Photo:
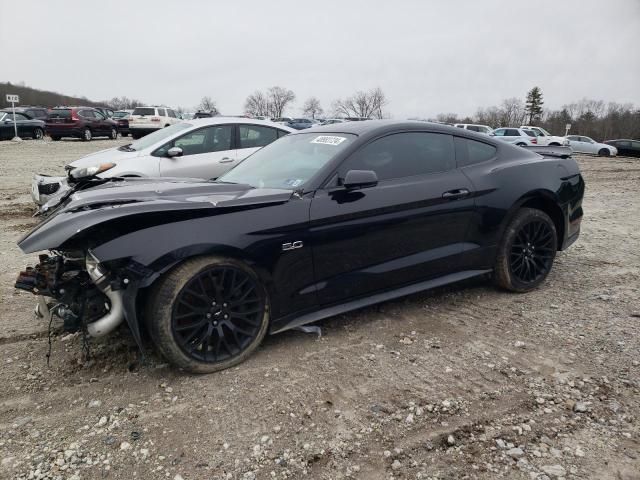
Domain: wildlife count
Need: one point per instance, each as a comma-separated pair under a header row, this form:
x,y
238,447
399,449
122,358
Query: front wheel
x,y
113,134
527,251
208,314
38,134
86,135
604,152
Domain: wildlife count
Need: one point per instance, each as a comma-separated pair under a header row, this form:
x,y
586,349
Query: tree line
x,y
592,118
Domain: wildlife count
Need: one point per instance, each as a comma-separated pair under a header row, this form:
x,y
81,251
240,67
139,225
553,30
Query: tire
x,y
221,306
113,135
526,252
86,135
604,152
135,136
55,138
37,134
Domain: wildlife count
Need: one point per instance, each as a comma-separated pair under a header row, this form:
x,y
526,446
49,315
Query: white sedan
x,y
202,148
582,144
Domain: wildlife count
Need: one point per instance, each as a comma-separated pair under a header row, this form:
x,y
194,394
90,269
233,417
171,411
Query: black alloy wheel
x,y
532,251
526,251
208,314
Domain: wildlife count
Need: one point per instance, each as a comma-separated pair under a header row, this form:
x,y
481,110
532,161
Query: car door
x,y
103,126
409,227
207,152
253,137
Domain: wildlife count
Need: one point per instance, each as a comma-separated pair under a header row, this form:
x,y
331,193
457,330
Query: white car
x,y
545,138
144,120
582,144
517,136
200,148
475,128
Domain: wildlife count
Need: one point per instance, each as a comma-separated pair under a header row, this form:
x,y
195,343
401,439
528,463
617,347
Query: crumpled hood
x,y
139,196
103,156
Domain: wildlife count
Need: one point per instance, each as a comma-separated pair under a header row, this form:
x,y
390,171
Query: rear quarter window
x,y
470,152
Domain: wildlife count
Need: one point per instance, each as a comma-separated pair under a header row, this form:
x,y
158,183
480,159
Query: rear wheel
x,y
208,314
604,152
114,134
527,251
38,133
86,135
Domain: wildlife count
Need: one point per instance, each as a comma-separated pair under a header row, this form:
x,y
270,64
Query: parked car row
x,y
316,223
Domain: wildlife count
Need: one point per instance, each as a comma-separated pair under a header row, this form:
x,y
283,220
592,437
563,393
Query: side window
x,y
511,132
99,115
252,136
282,133
403,155
172,114
87,114
499,132
162,112
204,140
469,152
473,128
19,116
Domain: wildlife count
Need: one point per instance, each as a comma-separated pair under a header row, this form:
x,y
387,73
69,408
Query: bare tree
x,y
512,112
208,105
257,104
279,98
362,104
312,107
123,103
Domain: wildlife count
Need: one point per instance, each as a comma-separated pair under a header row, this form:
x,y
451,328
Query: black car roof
x,y
374,127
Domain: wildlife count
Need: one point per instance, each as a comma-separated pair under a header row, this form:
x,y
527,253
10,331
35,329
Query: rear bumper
x,y
143,130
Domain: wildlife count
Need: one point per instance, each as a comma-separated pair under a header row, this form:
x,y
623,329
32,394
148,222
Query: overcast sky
x,y
429,57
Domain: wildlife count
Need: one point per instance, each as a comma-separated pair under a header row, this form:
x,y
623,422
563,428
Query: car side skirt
x,y
297,320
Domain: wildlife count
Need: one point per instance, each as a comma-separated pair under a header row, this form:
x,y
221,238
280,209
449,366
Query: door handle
x,y
226,160
453,194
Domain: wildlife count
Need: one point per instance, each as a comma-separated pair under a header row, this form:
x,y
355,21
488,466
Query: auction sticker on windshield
x,y
329,140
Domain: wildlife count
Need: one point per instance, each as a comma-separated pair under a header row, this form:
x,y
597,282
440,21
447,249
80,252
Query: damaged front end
x,y
79,290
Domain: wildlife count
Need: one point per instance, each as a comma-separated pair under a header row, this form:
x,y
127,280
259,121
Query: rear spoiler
x,y
550,151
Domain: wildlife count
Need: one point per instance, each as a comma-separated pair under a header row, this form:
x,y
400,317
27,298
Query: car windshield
x,y
544,132
159,135
289,162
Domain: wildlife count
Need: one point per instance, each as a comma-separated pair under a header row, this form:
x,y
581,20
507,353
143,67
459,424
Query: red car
x,y
79,122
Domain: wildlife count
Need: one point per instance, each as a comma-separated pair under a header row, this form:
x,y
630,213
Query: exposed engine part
x,y
81,292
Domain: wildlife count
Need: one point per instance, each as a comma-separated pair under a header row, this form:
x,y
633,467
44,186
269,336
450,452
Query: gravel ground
x,y
462,382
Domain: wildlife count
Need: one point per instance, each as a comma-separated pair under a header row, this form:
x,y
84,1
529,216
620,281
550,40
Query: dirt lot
x,y
463,382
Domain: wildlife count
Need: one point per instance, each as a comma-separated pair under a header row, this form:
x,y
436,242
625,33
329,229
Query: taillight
x,y
74,117
534,141
155,119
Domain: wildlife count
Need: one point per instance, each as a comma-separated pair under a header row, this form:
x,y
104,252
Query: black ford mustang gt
x,y
318,223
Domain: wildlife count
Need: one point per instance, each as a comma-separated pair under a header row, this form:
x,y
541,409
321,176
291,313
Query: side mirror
x,y
174,152
360,179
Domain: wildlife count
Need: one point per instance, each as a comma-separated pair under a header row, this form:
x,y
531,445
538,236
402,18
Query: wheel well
x,y
554,144
552,209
